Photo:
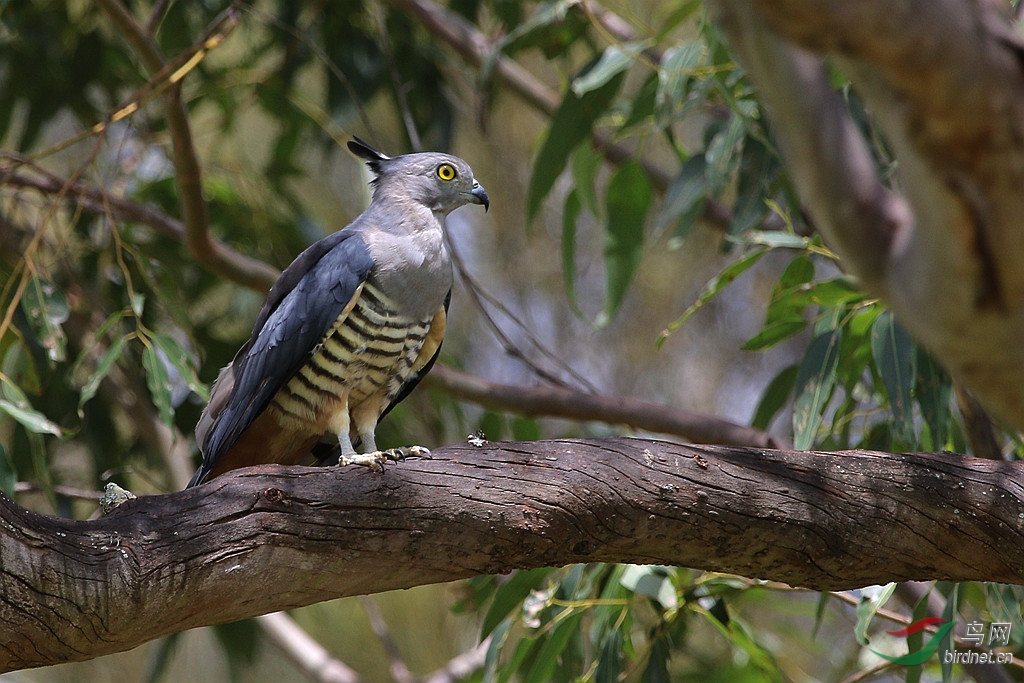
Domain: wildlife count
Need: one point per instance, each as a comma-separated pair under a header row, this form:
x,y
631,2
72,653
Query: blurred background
x,y
642,242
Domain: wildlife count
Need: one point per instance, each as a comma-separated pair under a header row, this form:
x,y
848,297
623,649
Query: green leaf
x,y
814,383
721,152
684,199
182,362
8,475
524,648
674,75
586,161
613,61
866,609
16,405
609,663
656,670
933,388
47,309
916,640
510,595
500,635
773,333
554,644
570,125
106,362
893,352
774,397
570,214
627,200
652,581
159,383
949,613
715,285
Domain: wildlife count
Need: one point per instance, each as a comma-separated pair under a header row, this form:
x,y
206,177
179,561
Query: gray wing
x,y
302,306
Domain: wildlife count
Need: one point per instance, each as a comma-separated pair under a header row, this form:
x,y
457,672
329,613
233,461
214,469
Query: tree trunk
x,y
943,81
272,538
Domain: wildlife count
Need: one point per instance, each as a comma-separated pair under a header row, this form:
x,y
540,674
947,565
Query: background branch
x,y
295,535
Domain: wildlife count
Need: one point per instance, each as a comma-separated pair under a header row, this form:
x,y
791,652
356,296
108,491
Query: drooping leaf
x,y
510,595
674,75
933,389
47,310
586,161
15,404
814,383
866,609
554,643
773,333
609,663
570,214
103,367
159,383
570,125
775,396
715,285
893,352
652,581
627,200
183,362
656,670
613,61
684,199
8,475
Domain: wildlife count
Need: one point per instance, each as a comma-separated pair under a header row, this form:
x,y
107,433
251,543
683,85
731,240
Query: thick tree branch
x,y
293,536
944,82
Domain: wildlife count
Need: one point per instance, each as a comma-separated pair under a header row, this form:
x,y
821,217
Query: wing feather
x,y
300,309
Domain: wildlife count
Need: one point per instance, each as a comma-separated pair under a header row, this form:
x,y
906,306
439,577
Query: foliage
x,y
101,318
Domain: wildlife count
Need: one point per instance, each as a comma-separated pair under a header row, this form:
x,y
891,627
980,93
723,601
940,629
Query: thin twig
x,y
60,490
399,671
478,294
306,653
462,666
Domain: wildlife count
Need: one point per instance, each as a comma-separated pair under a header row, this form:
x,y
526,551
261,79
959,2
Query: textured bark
x,y
272,538
944,82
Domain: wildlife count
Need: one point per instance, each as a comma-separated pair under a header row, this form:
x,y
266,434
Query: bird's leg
x,y
349,456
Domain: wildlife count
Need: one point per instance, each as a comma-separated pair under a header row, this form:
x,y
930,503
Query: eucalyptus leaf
x,y
571,124
814,383
893,352
628,198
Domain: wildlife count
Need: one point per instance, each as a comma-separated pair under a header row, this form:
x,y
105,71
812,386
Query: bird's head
x,y
441,182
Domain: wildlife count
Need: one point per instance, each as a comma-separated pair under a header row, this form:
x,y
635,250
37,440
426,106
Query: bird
x,y
347,330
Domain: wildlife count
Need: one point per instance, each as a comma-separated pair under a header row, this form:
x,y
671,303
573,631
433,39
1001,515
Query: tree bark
x,y
272,538
943,81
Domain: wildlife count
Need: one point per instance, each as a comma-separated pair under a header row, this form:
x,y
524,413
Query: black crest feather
x,y
371,156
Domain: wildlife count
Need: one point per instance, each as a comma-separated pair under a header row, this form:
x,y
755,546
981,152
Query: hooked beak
x,y
478,195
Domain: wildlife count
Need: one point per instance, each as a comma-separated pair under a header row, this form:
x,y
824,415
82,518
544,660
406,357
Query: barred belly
x,y
370,353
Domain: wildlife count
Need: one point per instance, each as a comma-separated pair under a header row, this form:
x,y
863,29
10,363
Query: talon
x,y
375,460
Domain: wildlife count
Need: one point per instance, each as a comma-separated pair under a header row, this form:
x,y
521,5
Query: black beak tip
x,y
479,195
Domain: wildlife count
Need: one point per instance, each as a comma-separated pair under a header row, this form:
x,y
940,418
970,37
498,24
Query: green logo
x,y
928,649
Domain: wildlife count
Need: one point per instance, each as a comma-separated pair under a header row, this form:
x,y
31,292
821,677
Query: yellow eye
x,y
446,172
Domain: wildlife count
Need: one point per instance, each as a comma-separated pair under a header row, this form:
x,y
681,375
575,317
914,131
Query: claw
x,y
375,461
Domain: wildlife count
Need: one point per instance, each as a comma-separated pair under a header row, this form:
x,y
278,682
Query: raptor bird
x,y
348,329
